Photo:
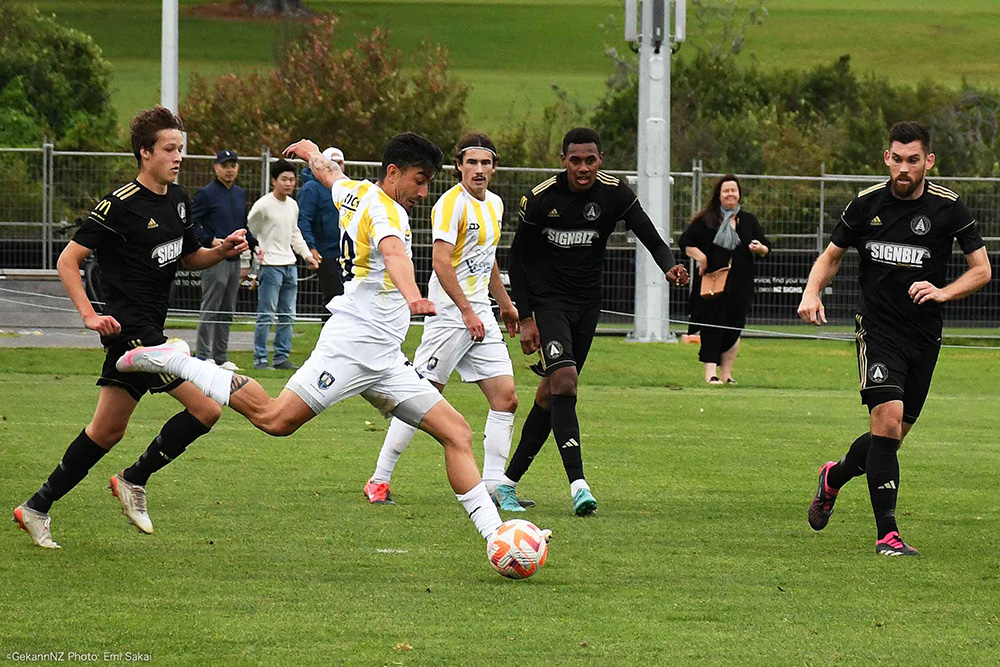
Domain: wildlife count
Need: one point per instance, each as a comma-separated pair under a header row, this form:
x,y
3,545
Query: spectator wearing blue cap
x,y
218,210
319,223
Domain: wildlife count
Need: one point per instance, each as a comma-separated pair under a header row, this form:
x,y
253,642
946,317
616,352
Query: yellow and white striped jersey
x,y
473,226
367,216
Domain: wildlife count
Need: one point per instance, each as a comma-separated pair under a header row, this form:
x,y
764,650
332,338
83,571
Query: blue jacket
x,y
218,211
319,221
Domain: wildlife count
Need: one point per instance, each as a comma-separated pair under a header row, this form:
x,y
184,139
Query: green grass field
x,y
266,553
513,51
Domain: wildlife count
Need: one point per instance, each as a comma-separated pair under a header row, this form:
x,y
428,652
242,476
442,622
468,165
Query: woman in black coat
x,y
722,235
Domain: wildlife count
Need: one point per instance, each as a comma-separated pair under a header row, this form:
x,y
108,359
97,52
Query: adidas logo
x,y
888,486
152,224
876,222
570,443
553,213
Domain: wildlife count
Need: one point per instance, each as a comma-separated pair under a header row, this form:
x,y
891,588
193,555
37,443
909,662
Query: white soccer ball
x,y
517,549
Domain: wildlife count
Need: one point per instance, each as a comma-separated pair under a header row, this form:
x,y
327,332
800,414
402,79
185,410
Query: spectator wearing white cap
x,y
319,223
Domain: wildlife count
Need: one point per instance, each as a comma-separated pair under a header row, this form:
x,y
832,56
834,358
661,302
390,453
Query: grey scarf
x,y
727,237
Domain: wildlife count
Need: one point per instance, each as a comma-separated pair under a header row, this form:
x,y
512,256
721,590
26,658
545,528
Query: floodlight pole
x,y
168,55
652,293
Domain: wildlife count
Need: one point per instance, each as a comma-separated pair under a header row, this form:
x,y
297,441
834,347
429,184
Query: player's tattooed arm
x,y
237,383
324,169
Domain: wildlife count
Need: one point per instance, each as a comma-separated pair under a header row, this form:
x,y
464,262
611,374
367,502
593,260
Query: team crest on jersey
x,y
920,225
591,211
182,211
878,373
325,380
432,363
553,349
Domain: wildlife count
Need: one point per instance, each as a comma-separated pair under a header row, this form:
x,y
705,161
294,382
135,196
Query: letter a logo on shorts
x,y
553,349
325,380
878,373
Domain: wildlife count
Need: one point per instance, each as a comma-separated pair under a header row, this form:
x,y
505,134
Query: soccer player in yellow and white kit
x,y
358,351
464,335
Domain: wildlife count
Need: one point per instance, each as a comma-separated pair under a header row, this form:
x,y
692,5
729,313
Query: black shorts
x,y
136,384
566,336
894,369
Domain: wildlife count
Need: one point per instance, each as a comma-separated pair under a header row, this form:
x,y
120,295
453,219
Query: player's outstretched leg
x,y
397,439
275,416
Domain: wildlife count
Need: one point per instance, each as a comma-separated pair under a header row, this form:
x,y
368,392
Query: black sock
x,y
853,464
180,431
80,457
534,433
566,430
883,482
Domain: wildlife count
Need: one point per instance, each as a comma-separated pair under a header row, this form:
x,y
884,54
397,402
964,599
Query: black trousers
x,y
729,313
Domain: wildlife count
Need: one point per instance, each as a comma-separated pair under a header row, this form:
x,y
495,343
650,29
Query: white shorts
x,y
353,357
446,347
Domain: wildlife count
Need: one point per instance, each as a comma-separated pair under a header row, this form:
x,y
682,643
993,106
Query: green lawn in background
x,y
513,51
266,553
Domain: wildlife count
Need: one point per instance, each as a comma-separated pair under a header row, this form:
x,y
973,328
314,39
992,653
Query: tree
x,y
53,81
356,99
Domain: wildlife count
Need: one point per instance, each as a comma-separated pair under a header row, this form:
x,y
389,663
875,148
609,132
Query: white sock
x,y
479,505
497,436
507,481
214,381
396,440
578,484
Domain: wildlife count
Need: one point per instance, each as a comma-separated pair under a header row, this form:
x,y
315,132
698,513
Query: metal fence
x,y
43,191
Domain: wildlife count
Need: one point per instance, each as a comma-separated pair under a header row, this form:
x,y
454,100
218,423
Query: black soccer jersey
x,y
900,242
138,237
557,257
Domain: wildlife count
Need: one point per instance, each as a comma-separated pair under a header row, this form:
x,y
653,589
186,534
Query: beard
x,y
903,189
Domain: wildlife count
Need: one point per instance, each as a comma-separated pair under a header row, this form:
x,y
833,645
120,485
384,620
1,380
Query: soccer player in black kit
x,y
903,230
139,233
556,274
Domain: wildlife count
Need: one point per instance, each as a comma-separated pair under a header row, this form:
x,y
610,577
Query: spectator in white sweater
x,y
273,220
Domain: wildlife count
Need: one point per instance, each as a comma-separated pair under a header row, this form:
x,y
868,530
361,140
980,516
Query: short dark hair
x,y
146,126
581,135
411,150
281,166
479,140
906,131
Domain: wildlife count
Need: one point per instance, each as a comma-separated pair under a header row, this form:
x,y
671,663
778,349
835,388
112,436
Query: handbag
x,y
713,284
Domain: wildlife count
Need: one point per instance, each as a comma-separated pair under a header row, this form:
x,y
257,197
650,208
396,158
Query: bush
x,y
356,99
53,81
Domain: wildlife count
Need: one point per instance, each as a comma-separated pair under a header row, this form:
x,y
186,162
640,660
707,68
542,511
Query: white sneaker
x,y
35,524
230,366
133,500
152,359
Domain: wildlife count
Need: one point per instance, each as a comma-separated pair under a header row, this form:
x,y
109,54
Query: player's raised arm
x,y
326,171
811,307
